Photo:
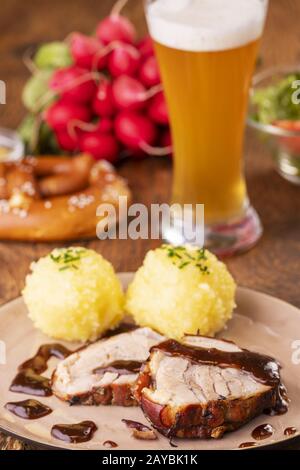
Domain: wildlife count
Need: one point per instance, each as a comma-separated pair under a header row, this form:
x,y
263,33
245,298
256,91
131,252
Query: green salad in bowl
x,y
275,113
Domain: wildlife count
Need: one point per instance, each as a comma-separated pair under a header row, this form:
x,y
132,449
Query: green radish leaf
x,y
37,136
26,128
35,90
53,55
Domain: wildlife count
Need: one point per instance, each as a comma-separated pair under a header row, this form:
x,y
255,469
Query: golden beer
x,y
207,95
207,51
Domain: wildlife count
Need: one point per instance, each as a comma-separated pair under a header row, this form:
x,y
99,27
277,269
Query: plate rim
x,y
46,446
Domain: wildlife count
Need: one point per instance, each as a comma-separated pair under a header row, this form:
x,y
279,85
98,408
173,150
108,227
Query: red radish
x,y
100,146
116,28
103,104
124,59
103,126
149,72
158,110
134,130
66,141
60,114
73,83
106,125
129,94
146,48
85,49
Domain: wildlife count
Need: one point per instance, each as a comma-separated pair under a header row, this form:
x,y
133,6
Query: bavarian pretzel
x,y
55,198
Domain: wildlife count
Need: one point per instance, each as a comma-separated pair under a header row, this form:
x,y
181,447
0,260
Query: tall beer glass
x,y
207,51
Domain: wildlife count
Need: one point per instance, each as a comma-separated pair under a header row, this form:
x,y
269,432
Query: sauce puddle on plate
x,y
74,433
110,444
244,445
290,431
39,362
29,379
264,431
28,409
30,383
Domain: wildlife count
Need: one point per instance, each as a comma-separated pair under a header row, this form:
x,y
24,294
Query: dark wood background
x,y
273,266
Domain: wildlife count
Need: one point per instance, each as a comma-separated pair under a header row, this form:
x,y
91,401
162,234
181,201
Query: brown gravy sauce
x,y
39,363
265,368
120,367
110,444
290,431
29,379
244,445
28,409
140,431
30,383
136,425
264,431
74,433
124,327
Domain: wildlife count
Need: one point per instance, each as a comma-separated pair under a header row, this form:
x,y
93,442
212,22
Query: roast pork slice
x,y
104,372
205,387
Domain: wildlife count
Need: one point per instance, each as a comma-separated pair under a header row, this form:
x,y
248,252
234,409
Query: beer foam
x,y
206,25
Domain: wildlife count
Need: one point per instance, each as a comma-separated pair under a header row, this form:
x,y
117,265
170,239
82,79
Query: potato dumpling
x,y
182,290
73,294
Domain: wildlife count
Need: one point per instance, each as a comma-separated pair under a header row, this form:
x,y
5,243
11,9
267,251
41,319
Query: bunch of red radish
x,y
111,100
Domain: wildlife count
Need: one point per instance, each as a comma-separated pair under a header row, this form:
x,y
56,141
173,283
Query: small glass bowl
x,y
284,144
11,146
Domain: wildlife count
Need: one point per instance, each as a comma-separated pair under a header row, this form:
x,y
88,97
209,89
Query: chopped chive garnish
x,y
67,258
183,265
64,268
181,257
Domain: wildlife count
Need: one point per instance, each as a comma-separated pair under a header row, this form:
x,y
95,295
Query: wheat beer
x,y
207,51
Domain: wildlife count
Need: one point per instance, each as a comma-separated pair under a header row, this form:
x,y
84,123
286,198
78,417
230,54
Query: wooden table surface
x,y
272,266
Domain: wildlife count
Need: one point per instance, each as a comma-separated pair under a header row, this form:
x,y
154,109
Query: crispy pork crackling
x,y
206,387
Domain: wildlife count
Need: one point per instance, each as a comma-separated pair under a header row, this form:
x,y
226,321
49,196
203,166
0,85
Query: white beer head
x,y
206,25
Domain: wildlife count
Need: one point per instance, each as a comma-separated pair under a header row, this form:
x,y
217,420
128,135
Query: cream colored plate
x,y
261,323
